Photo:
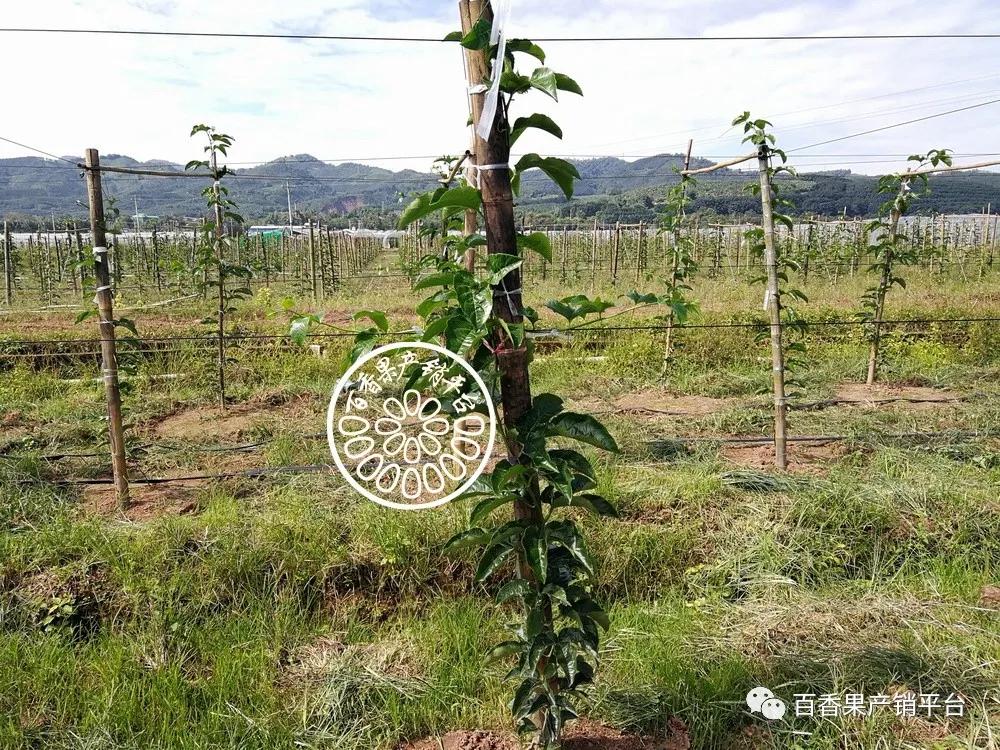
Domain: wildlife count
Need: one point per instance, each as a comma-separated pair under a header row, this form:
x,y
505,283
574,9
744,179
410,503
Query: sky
x,y
364,101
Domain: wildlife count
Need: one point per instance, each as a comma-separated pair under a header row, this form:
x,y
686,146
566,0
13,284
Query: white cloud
x,y
352,99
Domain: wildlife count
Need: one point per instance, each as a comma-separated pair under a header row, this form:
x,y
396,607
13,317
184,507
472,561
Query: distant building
x,y
275,230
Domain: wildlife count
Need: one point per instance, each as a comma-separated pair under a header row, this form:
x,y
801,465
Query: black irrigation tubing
x,y
322,468
764,324
764,440
210,338
162,446
535,332
248,473
207,340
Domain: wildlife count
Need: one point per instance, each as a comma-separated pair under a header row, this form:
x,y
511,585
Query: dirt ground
x,y
802,458
581,735
657,402
915,397
148,501
207,421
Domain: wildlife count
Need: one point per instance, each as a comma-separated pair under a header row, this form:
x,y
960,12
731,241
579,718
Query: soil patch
x,y
802,458
882,394
990,596
583,734
658,403
208,421
148,501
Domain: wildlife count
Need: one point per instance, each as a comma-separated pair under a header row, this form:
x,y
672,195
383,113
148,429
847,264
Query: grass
x,y
287,612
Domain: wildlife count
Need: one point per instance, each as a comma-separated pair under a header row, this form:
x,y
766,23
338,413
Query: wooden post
x,y
809,247
639,254
501,237
593,258
614,253
334,278
8,266
773,305
675,266
475,70
562,255
312,262
221,297
109,354
883,288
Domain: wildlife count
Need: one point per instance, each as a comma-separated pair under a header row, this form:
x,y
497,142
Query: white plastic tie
x,y
102,288
498,36
490,167
508,293
98,251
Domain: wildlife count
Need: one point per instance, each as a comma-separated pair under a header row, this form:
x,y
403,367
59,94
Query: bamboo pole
x,y
221,297
593,258
312,262
675,266
106,325
8,266
475,70
773,306
883,288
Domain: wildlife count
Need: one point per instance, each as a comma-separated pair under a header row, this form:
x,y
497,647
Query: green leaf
x,y
518,587
565,83
584,428
487,506
478,37
493,558
375,316
504,649
88,313
560,171
540,121
500,264
578,306
536,549
463,335
526,46
566,534
537,241
513,83
590,608
364,342
544,79
453,36
464,196
299,330
593,503
435,279
544,407
521,703
468,538
643,299
128,325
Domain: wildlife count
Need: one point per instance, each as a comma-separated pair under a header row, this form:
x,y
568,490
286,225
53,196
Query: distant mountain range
x,y
611,189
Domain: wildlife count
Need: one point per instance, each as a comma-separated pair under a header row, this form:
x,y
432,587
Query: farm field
x,y
256,601
457,445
